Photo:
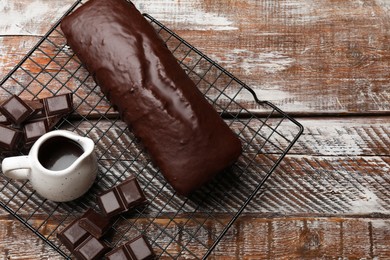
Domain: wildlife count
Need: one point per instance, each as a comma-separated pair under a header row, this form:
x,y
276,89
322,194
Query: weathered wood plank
x,y
288,52
30,18
304,60
344,136
12,50
251,238
327,185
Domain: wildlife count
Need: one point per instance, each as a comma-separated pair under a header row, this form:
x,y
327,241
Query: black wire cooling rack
x,y
177,227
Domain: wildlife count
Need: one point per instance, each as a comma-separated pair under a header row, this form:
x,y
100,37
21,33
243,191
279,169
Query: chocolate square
x,y
73,235
4,120
16,110
121,198
90,249
9,138
95,223
119,253
35,129
59,104
136,249
110,203
131,193
140,248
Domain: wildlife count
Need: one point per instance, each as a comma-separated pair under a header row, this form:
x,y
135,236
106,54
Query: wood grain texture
x,y
291,54
253,238
329,198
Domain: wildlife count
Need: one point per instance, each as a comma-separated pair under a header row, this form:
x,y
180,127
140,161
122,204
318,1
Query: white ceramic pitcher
x,y
61,165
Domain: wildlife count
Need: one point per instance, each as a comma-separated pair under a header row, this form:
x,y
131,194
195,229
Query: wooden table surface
x,y
327,63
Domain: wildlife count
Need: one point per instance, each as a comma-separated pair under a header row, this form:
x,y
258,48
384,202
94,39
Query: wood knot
x,y
309,241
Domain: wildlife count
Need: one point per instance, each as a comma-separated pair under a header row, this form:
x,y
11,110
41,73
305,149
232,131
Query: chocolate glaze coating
x,y
184,135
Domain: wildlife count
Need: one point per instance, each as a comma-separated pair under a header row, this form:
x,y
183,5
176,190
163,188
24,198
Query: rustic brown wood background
x,y
324,61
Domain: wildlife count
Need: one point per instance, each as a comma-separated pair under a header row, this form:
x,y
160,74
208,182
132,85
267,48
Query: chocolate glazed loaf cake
x,y
182,132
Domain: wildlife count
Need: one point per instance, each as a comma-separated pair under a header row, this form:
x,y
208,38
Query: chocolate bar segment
x,y
136,249
95,223
9,138
184,135
16,110
4,120
110,203
120,253
121,197
33,130
58,105
72,235
91,249
131,193
140,248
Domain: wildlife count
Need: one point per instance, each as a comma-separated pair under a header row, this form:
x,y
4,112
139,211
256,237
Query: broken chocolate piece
x,y
58,105
9,138
121,198
32,131
73,235
110,203
16,110
136,249
36,106
91,249
95,223
131,193
4,120
120,253
140,248
52,121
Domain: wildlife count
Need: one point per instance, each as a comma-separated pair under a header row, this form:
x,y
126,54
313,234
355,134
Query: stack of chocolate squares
x,y
22,122
85,236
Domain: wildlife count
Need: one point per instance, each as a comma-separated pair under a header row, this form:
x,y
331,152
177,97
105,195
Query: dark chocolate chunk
x,y
36,106
90,249
33,130
58,105
52,121
182,132
121,198
9,138
140,248
136,249
73,235
16,110
4,120
120,253
110,203
131,193
95,223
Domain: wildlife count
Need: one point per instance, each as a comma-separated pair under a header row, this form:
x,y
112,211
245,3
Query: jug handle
x,y
16,167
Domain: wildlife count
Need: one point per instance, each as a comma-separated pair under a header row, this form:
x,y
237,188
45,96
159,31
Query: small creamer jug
x,y
61,165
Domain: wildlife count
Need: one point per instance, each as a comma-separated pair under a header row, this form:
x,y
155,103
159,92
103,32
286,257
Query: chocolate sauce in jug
x,y
58,153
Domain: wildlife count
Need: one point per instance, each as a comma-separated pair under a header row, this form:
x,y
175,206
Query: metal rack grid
x,y
175,226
